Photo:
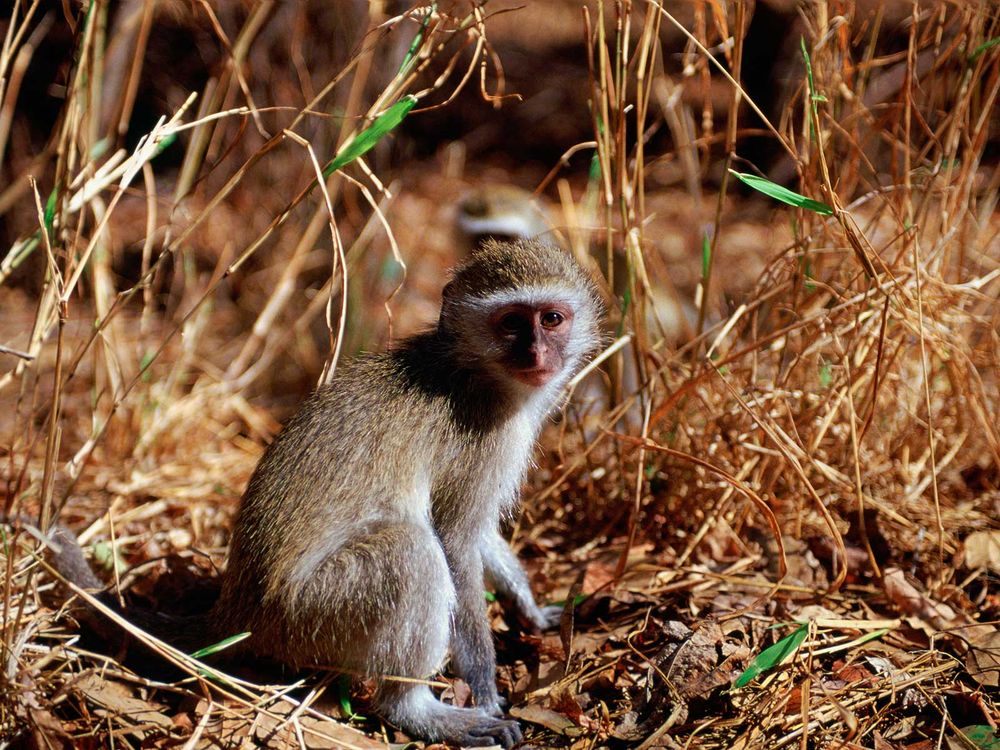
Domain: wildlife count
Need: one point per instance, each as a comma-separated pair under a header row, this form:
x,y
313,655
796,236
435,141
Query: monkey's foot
x,y
536,619
485,730
421,715
551,616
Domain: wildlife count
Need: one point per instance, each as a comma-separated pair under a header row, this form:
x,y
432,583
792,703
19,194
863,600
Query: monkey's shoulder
x,y
375,382
370,398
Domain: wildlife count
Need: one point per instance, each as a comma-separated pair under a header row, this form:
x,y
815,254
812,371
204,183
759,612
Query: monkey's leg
x,y
511,582
384,602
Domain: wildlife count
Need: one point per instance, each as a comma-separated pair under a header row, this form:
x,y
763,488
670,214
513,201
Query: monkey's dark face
x,y
532,339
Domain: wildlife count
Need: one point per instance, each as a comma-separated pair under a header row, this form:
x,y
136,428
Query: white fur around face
x,y
527,295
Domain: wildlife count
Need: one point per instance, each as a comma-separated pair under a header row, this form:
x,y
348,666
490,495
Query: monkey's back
x,y
358,453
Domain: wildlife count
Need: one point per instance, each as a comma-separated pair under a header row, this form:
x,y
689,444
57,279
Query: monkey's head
x,y
525,313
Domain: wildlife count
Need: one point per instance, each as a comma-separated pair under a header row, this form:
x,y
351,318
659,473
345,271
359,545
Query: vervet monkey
x,y
365,533
501,212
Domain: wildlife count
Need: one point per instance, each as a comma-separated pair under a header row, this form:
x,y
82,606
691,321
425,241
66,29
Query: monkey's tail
x,y
186,632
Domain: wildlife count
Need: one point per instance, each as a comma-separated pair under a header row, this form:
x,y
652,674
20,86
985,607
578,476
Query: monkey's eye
x,y
512,323
551,319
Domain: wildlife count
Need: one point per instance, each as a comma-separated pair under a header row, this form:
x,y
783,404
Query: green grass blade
x,y
367,138
418,39
809,67
49,217
825,373
782,194
216,647
577,601
983,47
706,255
772,656
344,698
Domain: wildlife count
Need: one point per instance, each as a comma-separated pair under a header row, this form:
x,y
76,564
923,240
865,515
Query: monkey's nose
x,y
538,352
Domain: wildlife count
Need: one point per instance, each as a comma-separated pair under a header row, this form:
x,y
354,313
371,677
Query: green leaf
x,y
211,674
490,596
100,148
415,45
782,194
594,171
809,67
344,696
626,304
166,142
983,47
825,374
982,735
108,557
216,647
365,140
706,255
50,210
772,656
22,249
577,601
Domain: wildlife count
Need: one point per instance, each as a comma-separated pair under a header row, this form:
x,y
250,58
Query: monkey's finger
x,y
503,732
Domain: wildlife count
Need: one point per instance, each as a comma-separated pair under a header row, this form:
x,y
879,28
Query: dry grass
x,y
823,449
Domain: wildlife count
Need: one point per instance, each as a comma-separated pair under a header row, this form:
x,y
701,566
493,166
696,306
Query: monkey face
x,y
532,339
522,314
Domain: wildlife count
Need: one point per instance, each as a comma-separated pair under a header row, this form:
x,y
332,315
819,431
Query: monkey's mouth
x,y
533,376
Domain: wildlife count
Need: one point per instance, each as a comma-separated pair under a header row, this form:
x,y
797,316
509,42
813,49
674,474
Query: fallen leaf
x,y
982,550
546,717
983,659
911,696
121,702
905,596
319,733
694,670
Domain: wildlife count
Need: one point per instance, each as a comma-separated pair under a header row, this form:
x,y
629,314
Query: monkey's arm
x,y
472,653
507,575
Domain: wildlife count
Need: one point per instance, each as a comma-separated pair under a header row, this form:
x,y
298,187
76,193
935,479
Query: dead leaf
x,y
912,698
121,702
905,596
982,550
458,693
546,717
597,575
693,671
881,743
319,733
48,724
983,659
